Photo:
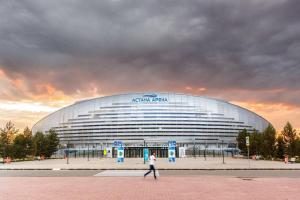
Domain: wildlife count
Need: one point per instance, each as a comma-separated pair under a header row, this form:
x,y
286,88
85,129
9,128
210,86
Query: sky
x,y
53,53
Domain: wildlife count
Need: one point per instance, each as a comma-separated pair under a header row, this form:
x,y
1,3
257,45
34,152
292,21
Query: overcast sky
x,y
53,53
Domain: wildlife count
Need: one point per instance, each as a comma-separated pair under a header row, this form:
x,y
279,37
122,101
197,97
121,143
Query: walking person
x,y
151,165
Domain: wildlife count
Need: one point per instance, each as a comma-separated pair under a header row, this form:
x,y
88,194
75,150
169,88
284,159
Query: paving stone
x,y
137,188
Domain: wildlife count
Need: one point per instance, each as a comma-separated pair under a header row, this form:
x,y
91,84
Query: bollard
x,y
286,159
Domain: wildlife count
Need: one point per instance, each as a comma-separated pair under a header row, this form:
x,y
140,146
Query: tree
x,y
27,132
280,147
289,137
268,149
297,144
45,145
29,146
241,140
10,132
7,135
255,143
19,147
52,143
40,144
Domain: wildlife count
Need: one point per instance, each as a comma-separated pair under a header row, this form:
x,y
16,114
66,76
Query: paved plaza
x,y
139,173
162,163
131,188
187,178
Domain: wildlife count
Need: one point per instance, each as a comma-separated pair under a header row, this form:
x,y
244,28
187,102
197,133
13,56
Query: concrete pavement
x,y
130,184
131,188
130,173
162,163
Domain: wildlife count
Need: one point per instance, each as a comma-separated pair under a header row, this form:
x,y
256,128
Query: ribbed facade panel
x,y
152,117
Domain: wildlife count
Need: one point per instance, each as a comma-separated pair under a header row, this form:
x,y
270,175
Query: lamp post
x,y
194,149
144,151
88,152
205,150
223,151
248,144
67,152
68,145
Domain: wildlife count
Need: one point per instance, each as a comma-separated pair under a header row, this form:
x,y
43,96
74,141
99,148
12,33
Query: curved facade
x,y
155,118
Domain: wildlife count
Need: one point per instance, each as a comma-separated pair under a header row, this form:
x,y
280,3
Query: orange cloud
x,y
49,95
50,89
278,114
270,107
26,95
195,90
2,73
202,89
17,83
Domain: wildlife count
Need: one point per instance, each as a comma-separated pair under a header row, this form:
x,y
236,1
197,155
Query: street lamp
x,y
88,152
205,153
194,148
223,151
67,152
205,149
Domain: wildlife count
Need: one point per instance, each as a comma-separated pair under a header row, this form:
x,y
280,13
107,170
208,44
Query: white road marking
x,y
124,173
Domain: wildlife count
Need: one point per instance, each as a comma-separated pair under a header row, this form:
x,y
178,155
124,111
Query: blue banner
x,y
146,155
120,154
172,151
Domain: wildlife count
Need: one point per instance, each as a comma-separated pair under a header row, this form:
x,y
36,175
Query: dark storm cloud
x,y
152,45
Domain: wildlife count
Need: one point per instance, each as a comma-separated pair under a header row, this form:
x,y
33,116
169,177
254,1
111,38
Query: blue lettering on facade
x,y
151,98
150,95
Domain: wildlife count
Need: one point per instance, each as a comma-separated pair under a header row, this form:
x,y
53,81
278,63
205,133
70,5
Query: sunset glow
x,y
247,55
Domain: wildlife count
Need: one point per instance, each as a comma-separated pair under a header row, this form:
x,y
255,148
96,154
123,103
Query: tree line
x,y
270,145
267,144
25,145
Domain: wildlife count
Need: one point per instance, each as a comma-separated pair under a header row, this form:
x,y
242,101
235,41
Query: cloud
x,y
277,114
235,50
28,107
20,118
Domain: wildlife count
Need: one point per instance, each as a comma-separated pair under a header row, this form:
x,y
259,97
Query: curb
x,y
183,169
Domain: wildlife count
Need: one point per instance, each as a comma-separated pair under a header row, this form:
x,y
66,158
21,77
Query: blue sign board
x,y
146,155
172,151
118,143
120,150
120,154
172,143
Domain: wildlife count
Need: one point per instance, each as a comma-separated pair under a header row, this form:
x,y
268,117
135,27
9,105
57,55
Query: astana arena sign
x,y
150,98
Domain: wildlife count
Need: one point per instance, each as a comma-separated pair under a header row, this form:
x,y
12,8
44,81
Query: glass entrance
x,y
137,152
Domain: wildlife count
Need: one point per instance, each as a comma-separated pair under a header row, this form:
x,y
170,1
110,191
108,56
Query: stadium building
x,y
151,119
